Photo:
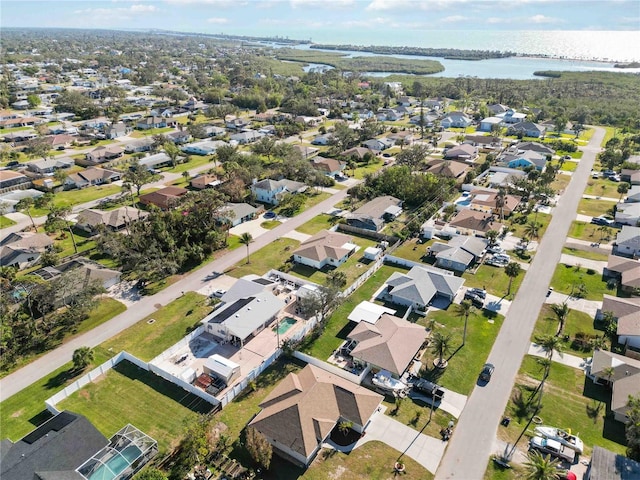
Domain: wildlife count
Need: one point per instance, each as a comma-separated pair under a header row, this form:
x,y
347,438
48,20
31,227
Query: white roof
x,y
368,312
372,250
221,366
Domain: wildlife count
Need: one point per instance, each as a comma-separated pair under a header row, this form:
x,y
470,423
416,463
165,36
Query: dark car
x,y
428,388
487,371
478,292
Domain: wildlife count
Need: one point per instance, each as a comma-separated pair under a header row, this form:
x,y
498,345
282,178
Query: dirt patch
x,y
84,394
337,473
99,379
17,413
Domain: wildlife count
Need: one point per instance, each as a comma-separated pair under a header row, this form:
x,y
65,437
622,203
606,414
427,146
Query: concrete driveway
x,y
572,260
425,450
589,307
253,227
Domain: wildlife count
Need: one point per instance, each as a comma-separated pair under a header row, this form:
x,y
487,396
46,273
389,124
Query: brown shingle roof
x,y
303,408
474,220
164,198
323,245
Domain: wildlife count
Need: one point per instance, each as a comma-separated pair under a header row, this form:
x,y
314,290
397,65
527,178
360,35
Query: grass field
x,y
602,187
124,395
412,250
602,257
591,232
271,256
577,321
567,166
594,207
464,364
517,223
560,183
415,414
6,222
566,279
196,161
570,400
70,198
270,224
22,412
320,222
363,171
493,280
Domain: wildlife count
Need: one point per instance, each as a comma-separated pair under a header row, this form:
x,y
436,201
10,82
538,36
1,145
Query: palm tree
x,y
464,309
82,357
345,426
550,344
492,236
246,239
623,188
561,310
512,270
609,372
500,202
532,229
541,467
441,346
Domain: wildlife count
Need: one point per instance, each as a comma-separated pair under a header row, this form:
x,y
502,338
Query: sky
x,y
300,19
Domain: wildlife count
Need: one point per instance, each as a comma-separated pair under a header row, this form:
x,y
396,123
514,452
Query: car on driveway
x,y
602,220
547,446
487,371
270,214
496,249
479,292
218,293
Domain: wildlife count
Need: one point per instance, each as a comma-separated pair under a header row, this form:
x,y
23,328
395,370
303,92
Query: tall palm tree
x,y
532,229
512,270
609,372
82,357
500,202
245,239
550,344
623,188
492,236
561,310
441,346
464,309
541,467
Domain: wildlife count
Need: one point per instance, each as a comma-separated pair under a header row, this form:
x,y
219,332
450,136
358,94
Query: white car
x,y
218,293
496,249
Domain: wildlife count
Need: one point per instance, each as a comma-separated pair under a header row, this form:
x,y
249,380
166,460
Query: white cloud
x,y
542,19
215,3
118,13
364,23
328,4
496,20
218,20
634,21
454,19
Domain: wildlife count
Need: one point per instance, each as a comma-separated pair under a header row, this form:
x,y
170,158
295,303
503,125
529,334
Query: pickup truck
x,y
428,388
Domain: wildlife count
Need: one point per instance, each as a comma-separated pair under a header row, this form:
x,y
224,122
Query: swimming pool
x,y
285,324
116,464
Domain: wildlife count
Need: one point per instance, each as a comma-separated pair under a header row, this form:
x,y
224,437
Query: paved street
x,y
37,369
471,446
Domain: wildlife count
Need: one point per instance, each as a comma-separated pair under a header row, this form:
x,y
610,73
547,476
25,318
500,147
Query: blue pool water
x,y
285,324
116,464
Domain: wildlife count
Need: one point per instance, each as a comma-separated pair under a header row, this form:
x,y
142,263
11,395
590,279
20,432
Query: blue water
x,y
116,464
285,324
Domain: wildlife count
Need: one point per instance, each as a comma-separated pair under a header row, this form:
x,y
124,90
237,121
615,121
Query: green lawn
x,y
315,198
608,135
517,223
412,250
464,364
493,280
126,393
270,224
150,132
566,279
22,412
64,242
320,222
363,171
196,161
336,327
576,252
591,232
570,400
271,256
594,207
497,472
70,198
415,414
567,166
577,321
602,187
6,222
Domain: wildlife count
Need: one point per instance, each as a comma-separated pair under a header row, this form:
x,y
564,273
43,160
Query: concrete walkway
x,y
296,235
595,197
589,307
563,358
572,260
425,450
603,246
452,402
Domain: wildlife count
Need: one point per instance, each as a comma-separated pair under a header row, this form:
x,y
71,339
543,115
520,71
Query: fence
x,y
253,374
357,379
363,232
364,277
174,348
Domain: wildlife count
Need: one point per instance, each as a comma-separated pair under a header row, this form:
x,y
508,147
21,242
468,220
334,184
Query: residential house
x,y
158,160
238,321
607,465
246,136
179,137
271,191
459,254
165,198
21,122
23,249
625,378
205,180
523,159
373,214
490,201
421,286
324,248
536,147
329,166
102,154
511,117
497,177
322,139
464,152
389,115
628,214
527,129
406,101
306,152
402,138
369,312
59,142
475,223
117,130
268,130
497,108
91,176
429,119
358,153
9,178
10,199
49,165
213,131
456,120
449,169
378,144
139,146
236,213
118,219
632,177
487,124
204,147
628,242
626,271
303,409
155,122
633,195
626,313
390,343
237,123
84,272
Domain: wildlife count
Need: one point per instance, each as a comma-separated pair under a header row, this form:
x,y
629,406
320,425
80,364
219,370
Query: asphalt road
x,y
469,449
13,383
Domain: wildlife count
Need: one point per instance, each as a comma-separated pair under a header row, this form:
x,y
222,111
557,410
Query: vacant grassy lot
x,y
493,280
591,232
602,257
465,362
412,250
560,183
566,279
6,222
567,166
124,395
570,400
320,222
337,326
22,412
364,170
517,223
577,321
196,161
71,198
594,207
271,256
602,187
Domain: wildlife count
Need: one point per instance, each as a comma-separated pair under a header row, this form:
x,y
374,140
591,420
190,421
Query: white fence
x,y
363,278
403,262
176,347
253,374
357,379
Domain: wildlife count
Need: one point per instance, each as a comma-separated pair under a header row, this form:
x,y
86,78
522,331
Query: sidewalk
x,y
589,307
563,358
572,260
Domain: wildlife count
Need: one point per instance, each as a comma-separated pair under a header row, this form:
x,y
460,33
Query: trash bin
x,y
505,421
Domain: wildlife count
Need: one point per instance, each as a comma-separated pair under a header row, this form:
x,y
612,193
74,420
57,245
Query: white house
x,y
456,120
271,191
325,248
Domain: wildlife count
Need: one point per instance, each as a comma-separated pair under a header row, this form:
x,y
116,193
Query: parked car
x,y
602,220
487,371
496,262
218,293
428,388
552,447
496,249
480,292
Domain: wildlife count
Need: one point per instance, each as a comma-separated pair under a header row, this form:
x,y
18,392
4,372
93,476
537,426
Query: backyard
x,y
568,279
261,261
